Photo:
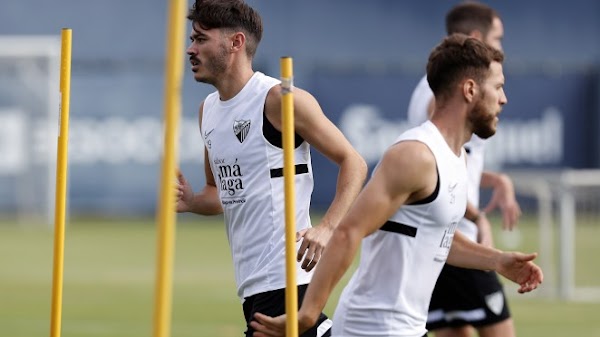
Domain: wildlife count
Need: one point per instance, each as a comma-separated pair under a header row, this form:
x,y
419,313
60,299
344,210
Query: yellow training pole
x,y
289,172
61,182
166,212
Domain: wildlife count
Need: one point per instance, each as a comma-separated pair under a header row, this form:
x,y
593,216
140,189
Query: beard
x,y
214,67
482,120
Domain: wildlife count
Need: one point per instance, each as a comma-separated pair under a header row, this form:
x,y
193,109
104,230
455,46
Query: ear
x,y
477,35
238,41
469,89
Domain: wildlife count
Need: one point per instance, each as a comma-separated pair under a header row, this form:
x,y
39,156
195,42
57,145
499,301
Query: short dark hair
x,y
469,16
229,14
459,56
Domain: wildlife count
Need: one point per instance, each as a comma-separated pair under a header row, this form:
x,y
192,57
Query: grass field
x,y
110,271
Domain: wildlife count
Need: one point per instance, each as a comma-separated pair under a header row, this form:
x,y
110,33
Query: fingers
x,y
313,244
534,281
307,264
527,287
510,216
266,326
311,254
491,206
526,257
262,331
300,235
180,176
534,278
304,246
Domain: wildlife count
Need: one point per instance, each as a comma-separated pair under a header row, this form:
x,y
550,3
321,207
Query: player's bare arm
x,y
515,266
385,192
313,126
503,197
484,228
207,201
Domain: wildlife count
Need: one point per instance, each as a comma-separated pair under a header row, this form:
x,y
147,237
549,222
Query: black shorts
x,y
467,297
272,303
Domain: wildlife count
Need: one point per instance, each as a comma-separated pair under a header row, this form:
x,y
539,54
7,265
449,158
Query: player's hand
x,y
314,241
519,268
504,198
267,326
484,231
183,194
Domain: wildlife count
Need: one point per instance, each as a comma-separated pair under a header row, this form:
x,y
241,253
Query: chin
x,y
200,79
485,133
488,135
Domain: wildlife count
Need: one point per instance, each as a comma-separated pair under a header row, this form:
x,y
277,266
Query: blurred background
x,y
361,59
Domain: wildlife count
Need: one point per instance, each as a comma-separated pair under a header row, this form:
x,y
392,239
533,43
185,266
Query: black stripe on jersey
x,y
400,228
433,195
273,136
278,172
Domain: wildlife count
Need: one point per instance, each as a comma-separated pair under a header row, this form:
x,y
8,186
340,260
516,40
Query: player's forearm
x,y
336,259
467,254
472,213
491,179
206,202
351,177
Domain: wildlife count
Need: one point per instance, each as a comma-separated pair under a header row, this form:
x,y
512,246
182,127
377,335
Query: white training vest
x,y
248,171
417,114
389,293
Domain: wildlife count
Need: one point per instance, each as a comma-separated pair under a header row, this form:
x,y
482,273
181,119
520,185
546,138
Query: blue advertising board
x,y
549,122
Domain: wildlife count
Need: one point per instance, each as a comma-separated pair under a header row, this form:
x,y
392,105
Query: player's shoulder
x,y
302,99
411,154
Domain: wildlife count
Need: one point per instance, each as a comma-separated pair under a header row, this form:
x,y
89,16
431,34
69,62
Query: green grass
x,y
109,273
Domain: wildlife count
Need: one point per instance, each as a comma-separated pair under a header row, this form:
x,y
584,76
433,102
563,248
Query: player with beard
x,y
406,216
465,298
241,127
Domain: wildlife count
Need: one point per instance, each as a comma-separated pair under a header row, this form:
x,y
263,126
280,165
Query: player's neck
x,y
450,121
233,81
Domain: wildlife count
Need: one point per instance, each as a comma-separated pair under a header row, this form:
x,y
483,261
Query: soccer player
x,y
466,298
240,124
406,216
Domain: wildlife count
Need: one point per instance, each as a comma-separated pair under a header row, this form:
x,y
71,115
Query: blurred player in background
x,y
406,216
241,127
466,298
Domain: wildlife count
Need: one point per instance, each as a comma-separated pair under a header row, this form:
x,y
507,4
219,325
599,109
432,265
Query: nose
x,y
503,98
189,50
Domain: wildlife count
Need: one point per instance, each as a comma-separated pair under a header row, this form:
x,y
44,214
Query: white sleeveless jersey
x,y
419,101
417,114
389,293
248,170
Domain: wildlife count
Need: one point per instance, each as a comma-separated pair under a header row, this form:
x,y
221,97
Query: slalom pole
x,y
165,216
289,172
61,182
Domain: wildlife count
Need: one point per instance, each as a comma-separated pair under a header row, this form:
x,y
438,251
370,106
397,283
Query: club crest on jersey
x,y
495,302
241,129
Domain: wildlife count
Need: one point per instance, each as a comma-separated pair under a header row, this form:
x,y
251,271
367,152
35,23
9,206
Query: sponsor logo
x,y
207,141
451,188
207,133
230,177
446,241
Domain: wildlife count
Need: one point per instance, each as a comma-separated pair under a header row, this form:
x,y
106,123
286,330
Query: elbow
x,y
345,236
361,167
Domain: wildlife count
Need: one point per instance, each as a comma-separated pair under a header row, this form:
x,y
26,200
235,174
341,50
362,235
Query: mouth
x,y
195,64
